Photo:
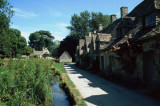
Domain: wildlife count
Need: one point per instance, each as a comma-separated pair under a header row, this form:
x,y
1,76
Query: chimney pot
x,y
113,18
124,11
90,34
100,27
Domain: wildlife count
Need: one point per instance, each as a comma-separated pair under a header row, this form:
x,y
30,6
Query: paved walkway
x,y
99,92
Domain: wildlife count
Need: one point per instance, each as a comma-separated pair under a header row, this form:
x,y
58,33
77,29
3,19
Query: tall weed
x,y
26,82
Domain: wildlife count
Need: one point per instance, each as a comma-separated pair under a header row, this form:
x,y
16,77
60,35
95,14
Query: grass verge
x,y
73,94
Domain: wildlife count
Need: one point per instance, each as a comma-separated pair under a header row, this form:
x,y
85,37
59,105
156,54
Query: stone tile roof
x,y
133,21
45,51
144,8
104,37
126,22
63,55
38,53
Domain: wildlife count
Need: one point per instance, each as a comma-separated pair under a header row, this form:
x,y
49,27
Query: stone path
x,y
99,92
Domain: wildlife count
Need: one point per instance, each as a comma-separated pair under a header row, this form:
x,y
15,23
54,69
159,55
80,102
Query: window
x,y
150,20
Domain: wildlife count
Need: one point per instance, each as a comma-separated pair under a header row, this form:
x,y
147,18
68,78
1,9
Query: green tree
x,y
6,13
17,41
98,18
12,43
55,46
5,46
80,24
40,39
87,22
27,50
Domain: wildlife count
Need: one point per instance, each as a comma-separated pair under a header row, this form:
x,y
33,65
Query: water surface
x,y
60,98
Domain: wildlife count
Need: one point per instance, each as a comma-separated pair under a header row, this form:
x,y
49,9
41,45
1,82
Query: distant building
x,y
41,53
25,57
65,57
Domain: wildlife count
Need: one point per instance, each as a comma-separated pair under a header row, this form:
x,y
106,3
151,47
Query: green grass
x,y
60,66
26,82
74,96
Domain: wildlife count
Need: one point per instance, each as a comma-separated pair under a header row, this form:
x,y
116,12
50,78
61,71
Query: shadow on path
x,y
100,92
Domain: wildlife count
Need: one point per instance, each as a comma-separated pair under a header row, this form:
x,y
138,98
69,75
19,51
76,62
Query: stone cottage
x,y
65,58
40,54
132,53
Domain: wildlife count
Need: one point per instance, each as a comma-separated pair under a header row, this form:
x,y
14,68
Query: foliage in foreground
x,y
25,82
74,96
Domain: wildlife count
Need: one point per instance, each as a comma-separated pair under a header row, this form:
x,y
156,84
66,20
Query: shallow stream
x,y
60,98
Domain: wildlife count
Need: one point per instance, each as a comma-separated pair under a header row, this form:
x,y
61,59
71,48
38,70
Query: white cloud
x,y
24,14
63,24
58,36
58,30
26,35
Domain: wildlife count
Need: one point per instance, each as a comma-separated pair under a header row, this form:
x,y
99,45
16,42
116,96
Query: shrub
x,y
18,56
34,56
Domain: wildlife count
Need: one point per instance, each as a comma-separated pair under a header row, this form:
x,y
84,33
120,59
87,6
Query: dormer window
x,y
150,20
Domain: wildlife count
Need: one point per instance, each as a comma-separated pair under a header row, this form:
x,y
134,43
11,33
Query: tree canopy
x,y
11,41
40,39
6,13
87,22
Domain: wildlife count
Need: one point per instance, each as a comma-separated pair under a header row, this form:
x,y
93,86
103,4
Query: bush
x,y
34,56
18,56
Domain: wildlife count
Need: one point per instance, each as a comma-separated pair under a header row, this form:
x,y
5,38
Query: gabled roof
x,y
126,22
45,51
144,8
133,21
65,53
102,37
38,52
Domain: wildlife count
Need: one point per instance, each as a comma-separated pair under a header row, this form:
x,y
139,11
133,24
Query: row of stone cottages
x,y
128,49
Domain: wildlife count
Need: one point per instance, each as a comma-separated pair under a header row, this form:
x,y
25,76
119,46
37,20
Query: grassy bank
x,y
25,82
74,96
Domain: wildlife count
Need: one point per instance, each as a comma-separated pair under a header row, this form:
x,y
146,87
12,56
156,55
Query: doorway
x,y
148,69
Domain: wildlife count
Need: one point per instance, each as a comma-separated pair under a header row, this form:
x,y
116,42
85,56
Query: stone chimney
x,y
124,11
113,18
90,34
100,27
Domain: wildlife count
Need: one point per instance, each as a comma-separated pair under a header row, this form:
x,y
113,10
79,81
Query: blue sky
x,y
55,15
